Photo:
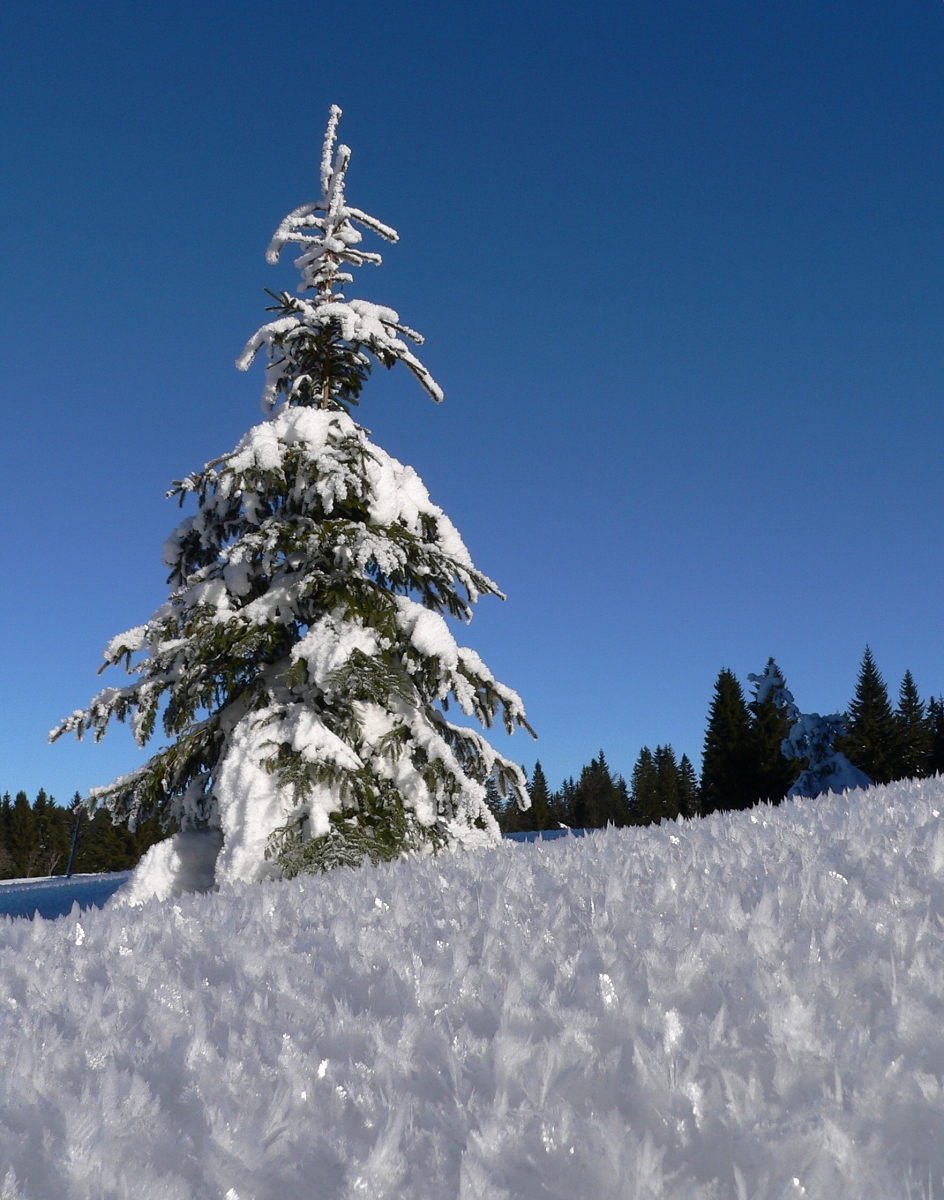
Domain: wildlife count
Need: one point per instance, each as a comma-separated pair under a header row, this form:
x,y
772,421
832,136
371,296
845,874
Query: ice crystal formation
x,y
746,1007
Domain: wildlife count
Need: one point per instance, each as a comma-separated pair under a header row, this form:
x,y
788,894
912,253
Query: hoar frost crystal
x,y
302,665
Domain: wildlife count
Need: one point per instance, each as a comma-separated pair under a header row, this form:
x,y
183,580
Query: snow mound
x,y
748,1006
183,863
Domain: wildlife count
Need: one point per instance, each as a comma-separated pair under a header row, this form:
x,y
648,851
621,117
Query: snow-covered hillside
x,y
746,1006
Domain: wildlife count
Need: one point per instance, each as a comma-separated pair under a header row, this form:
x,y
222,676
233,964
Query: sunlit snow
x,y
745,1006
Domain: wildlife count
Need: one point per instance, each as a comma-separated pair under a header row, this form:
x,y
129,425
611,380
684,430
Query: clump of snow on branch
x,y
743,1006
811,737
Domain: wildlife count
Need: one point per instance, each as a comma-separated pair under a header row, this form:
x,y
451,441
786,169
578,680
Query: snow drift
x,y
746,1006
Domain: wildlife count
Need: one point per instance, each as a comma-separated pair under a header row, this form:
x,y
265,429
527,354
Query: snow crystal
x,y
546,1020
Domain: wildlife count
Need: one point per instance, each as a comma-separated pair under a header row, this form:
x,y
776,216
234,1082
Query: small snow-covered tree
x,y
302,665
811,737
773,773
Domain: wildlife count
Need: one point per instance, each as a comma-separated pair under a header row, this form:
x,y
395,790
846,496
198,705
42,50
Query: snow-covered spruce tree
x,y
811,737
302,665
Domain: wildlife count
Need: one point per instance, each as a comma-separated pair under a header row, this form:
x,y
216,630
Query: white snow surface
x,y
747,1006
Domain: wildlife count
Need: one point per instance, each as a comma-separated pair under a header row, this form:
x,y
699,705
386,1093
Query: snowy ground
x,y
748,1006
53,896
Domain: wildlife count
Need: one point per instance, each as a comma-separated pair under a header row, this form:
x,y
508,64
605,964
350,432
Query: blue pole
x,y
75,838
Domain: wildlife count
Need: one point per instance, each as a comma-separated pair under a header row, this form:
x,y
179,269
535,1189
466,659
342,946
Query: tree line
x,y
742,765
742,762
36,839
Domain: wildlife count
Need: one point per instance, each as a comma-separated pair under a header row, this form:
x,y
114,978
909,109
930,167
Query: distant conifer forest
x,y
742,765
742,762
36,839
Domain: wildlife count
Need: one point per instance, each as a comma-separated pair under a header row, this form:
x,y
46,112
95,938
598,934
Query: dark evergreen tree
x,y
660,788
103,845
727,775
50,832
541,811
770,775
871,739
21,838
597,799
687,788
6,856
496,805
935,720
644,788
913,733
36,840
668,775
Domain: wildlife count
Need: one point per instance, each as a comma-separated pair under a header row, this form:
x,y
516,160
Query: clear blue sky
x,y
681,271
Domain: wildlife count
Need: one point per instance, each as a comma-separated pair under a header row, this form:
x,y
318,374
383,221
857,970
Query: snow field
x,y
53,896
747,1006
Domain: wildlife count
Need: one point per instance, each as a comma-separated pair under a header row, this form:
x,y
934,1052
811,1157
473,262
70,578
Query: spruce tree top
x,y
316,346
871,739
725,772
913,729
302,666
